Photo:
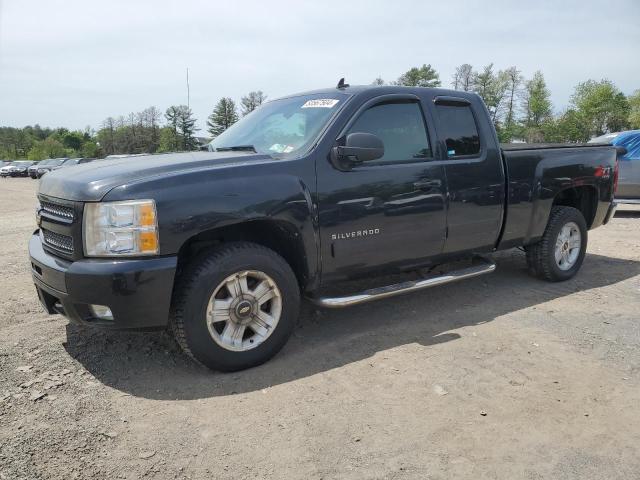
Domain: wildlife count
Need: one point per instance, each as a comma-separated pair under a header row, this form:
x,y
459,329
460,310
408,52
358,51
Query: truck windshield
x,y
280,127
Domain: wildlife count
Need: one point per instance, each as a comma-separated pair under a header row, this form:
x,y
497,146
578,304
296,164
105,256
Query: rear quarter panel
x,y
536,176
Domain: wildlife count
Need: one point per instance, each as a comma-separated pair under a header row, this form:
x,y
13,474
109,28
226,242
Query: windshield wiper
x,y
237,148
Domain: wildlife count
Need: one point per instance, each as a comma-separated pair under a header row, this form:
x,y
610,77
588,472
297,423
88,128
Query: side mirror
x,y
360,147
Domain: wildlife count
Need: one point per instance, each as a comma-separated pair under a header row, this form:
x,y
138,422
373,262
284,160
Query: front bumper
x,y
138,291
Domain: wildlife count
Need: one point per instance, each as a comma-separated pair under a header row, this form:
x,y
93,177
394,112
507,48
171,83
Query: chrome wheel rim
x,y
244,310
568,246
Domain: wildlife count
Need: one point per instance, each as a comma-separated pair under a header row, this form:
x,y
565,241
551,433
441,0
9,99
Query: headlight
x,y
127,228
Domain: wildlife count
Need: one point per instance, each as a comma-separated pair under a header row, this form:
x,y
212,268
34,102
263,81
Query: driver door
x,y
386,212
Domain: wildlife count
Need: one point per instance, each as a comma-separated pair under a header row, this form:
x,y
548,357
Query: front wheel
x,y
236,307
559,254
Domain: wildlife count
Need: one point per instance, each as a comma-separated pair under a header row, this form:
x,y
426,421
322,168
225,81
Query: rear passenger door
x,y
474,173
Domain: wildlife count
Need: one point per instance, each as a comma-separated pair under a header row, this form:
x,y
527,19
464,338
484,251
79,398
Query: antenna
x,y
187,87
341,84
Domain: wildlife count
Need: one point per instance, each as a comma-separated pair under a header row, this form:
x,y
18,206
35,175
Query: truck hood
x,y
90,182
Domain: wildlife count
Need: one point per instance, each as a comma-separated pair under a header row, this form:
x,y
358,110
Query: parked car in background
x,y
46,166
33,169
70,162
20,168
629,180
42,164
125,155
6,168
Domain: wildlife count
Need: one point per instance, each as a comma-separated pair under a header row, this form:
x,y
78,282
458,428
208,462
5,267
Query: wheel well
x,y
280,237
582,198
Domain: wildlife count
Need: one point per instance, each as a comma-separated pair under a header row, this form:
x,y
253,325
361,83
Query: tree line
x,y
148,131
520,108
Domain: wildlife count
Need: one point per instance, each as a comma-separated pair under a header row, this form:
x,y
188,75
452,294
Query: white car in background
x,y
5,171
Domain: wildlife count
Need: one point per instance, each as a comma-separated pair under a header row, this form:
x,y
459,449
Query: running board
x,y
378,293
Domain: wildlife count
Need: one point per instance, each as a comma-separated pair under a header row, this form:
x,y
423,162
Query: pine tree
x,y
223,116
492,88
514,80
172,117
483,83
425,76
252,101
186,124
107,140
537,107
180,120
634,105
463,78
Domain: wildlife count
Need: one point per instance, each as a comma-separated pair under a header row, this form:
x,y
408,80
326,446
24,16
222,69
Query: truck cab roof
x,y
374,90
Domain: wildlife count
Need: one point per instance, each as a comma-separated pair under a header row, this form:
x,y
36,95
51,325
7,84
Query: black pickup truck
x,y
302,194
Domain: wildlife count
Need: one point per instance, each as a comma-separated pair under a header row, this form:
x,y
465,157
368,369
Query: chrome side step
x,y
487,266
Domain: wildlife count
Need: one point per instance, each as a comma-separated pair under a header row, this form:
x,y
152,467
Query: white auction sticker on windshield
x,y
320,103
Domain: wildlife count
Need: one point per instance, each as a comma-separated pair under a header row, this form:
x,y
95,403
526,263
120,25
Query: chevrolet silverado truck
x,y
298,197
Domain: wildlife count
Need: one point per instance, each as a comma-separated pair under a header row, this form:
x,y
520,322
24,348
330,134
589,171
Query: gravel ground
x,y
502,376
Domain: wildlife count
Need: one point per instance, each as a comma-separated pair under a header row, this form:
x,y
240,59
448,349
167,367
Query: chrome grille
x,y
60,242
60,211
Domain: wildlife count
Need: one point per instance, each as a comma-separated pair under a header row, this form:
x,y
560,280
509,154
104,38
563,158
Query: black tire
x,y
198,282
541,256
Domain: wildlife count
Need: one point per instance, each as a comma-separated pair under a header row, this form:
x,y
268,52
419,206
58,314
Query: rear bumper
x,y
628,201
138,292
611,212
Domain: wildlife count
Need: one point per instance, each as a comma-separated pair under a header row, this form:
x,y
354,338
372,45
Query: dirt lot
x,y
502,376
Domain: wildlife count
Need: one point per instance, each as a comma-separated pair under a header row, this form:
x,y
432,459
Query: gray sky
x,y
75,62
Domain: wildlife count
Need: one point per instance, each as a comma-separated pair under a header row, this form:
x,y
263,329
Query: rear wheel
x,y
236,307
560,253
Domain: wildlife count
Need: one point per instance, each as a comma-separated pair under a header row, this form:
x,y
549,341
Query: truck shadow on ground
x,y
150,365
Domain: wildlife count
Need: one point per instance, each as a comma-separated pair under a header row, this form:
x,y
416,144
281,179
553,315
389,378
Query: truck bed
x,y
536,172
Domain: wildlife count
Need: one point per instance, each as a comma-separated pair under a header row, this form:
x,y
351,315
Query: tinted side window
x,y
458,128
401,128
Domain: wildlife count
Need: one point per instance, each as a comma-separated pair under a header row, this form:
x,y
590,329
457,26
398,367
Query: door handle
x,y
427,184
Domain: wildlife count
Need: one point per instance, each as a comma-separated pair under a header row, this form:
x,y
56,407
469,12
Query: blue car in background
x,y
629,174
